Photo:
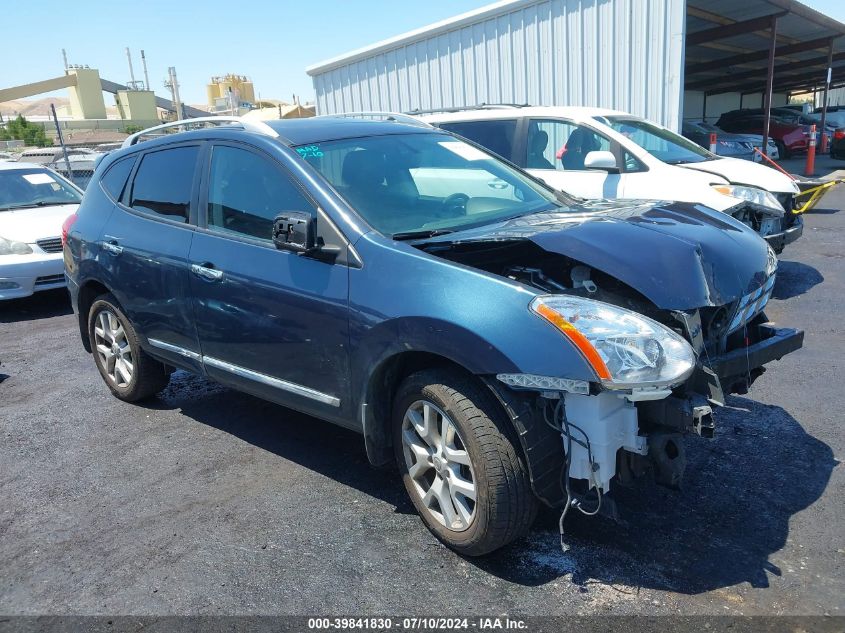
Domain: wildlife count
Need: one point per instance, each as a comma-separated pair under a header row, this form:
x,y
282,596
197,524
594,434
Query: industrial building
x,y
230,94
661,59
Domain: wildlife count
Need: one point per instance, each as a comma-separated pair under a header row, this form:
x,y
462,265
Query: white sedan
x,y
34,203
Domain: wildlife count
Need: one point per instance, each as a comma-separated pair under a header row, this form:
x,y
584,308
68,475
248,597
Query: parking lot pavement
x,y
209,501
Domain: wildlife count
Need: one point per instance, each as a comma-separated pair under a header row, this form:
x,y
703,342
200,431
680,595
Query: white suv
x,y
600,153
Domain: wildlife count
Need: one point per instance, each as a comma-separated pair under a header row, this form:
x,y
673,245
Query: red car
x,y
789,137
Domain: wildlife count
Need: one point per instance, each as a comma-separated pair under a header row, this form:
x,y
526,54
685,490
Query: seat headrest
x,y
539,142
364,168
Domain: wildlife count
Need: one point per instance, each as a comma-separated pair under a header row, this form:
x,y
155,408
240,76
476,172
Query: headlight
x,y
10,247
752,194
624,348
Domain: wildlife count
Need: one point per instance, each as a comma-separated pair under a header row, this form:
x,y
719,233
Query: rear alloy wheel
x,y
458,459
130,373
113,348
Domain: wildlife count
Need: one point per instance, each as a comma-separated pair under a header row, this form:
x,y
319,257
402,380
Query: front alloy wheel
x,y
458,457
439,465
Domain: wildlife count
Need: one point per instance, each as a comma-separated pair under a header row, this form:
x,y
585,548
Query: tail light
x,y
839,133
66,225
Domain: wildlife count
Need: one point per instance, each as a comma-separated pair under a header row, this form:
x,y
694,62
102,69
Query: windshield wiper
x,y
413,235
34,205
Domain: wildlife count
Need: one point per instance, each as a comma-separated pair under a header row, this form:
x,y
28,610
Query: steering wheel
x,y
455,205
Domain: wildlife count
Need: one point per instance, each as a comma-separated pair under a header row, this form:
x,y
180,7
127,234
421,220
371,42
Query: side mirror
x,y
295,231
603,160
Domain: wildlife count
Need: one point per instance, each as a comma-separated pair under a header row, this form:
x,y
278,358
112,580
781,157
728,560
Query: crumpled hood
x,y
29,225
746,172
680,256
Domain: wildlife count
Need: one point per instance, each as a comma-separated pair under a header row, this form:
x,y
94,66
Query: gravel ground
x,y
207,501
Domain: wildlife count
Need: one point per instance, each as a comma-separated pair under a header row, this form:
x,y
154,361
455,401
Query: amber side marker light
x,y
584,346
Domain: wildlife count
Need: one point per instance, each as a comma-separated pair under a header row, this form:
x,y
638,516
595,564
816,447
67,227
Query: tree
x,y
23,130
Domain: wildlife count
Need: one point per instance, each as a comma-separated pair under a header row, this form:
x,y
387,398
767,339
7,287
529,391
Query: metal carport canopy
x,y
728,47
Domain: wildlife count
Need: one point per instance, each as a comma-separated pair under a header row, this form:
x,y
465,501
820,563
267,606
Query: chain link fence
x,y
77,166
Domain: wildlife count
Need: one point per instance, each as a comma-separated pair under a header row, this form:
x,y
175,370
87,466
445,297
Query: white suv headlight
x,y
752,194
624,348
10,247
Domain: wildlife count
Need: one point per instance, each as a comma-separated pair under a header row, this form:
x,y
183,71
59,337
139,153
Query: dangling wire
x,y
561,424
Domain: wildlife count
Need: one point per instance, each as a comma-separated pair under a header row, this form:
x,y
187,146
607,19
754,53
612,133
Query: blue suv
x,y
504,344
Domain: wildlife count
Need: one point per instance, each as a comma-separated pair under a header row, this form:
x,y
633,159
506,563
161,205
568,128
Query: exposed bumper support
x,y
778,240
743,365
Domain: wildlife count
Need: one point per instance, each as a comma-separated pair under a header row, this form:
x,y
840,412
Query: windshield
x,y
406,184
664,145
23,188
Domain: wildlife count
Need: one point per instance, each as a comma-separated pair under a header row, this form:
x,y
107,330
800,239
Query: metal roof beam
x,y
782,51
731,30
752,74
809,83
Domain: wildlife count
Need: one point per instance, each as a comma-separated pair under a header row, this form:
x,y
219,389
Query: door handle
x,y
112,247
207,271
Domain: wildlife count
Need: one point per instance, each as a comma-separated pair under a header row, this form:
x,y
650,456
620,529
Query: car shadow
x,y
794,279
740,491
320,446
41,305
821,211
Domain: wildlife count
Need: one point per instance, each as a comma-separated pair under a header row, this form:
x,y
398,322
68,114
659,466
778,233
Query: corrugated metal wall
x,y
623,54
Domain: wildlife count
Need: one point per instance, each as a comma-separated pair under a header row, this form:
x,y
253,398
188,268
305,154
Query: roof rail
x,y
398,117
259,127
480,106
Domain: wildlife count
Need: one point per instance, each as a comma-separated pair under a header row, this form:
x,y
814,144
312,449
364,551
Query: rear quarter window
x,y
114,180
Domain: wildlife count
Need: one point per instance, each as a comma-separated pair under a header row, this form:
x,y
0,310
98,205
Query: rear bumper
x,y
778,240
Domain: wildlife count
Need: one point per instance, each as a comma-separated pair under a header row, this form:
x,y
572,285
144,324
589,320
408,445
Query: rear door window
x,y
496,135
164,183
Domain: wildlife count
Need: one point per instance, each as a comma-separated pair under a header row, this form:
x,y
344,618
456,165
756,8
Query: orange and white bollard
x,y
713,142
810,167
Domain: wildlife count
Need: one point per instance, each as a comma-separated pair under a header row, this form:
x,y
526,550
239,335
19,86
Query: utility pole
x,y
146,75
174,86
64,57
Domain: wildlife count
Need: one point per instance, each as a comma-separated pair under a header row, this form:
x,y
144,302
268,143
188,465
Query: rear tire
x,y
452,441
130,373
782,151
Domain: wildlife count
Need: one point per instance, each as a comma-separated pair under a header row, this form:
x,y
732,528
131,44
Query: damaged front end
x,y
777,227
678,270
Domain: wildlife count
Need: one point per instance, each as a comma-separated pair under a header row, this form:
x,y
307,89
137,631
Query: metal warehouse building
x,y
660,59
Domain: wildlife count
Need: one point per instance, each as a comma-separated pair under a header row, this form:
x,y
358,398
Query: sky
x,y
272,42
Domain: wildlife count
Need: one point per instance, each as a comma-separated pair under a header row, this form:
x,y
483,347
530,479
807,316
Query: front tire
x,y
459,464
130,373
